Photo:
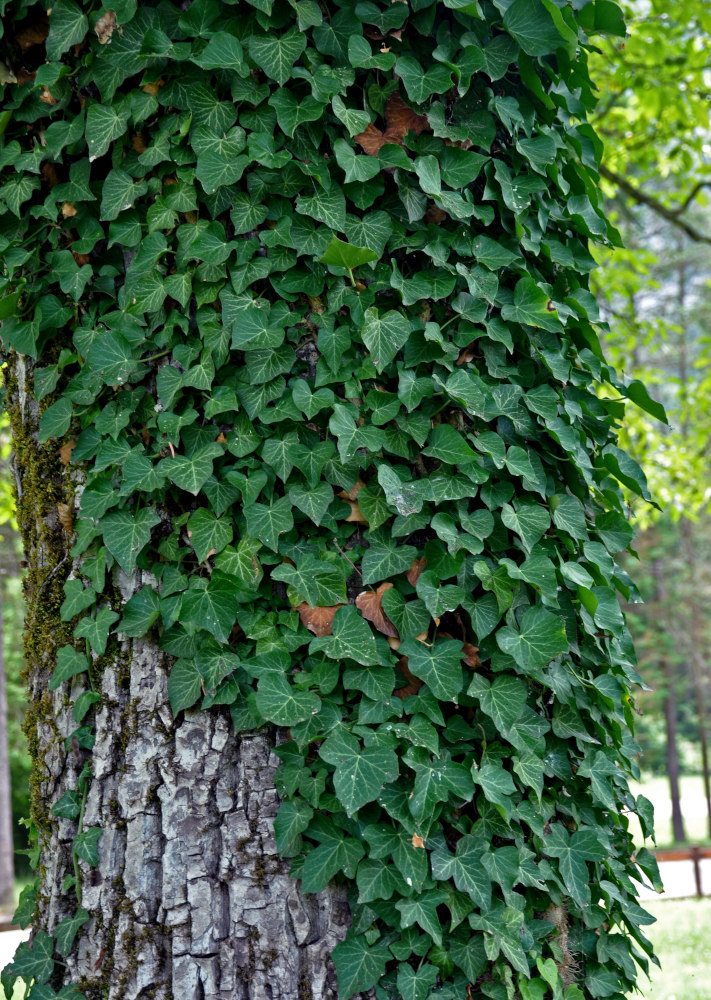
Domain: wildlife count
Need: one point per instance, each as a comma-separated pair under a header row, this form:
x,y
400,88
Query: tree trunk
x,y
697,644
189,899
670,710
7,867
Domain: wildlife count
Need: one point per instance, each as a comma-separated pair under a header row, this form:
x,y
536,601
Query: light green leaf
x,y
358,965
67,26
340,254
541,638
126,534
66,930
532,26
352,638
276,53
384,335
439,666
55,421
531,305
361,772
312,502
281,703
208,534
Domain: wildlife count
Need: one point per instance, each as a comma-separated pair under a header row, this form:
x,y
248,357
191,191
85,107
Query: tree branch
x,y
672,215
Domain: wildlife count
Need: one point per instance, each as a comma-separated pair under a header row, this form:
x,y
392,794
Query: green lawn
x,y
681,938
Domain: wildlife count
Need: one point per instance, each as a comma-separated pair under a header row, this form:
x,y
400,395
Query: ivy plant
x,y
304,288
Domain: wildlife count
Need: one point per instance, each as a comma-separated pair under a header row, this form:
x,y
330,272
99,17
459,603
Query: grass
x,y
681,938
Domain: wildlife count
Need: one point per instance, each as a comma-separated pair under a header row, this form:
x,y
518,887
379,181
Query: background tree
x,y
313,453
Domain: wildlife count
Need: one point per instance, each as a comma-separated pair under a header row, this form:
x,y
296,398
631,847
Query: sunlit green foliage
x,y
312,299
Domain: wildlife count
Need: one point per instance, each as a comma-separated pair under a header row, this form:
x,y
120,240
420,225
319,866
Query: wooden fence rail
x,y
692,853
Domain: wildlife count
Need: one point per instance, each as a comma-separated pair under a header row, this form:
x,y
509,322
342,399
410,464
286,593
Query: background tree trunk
x,y
189,899
7,867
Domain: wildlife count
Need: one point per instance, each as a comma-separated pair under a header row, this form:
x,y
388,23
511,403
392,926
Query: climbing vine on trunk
x,y
303,290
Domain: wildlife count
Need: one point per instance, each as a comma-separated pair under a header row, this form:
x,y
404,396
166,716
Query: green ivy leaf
x,y
184,685
66,930
208,534
67,26
126,535
69,664
359,966
541,638
438,665
384,335
340,254
281,703
276,54
352,638
531,305
86,845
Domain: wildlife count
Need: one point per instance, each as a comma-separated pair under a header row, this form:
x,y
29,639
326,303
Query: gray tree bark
x,y
190,900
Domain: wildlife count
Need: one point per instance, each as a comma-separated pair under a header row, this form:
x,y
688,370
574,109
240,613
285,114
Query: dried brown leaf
x,y
68,210
318,620
47,97
414,572
413,683
105,26
417,840
66,517
370,605
470,655
65,452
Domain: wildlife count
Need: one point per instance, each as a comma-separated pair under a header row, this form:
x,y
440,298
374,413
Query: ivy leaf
x,y
68,806
67,26
531,306
276,54
573,852
422,910
291,113
96,630
358,965
541,638
314,502
86,845
184,685
212,606
104,123
384,335
336,852
291,821
532,26
192,473
502,700
34,960
55,421
361,772
66,930
465,868
268,521
340,254
352,639
126,535
415,984
496,783
69,664
139,612
438,665
328,207
208,534
281,703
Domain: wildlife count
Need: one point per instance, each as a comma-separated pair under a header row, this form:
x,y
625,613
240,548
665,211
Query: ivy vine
x,y
303,290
